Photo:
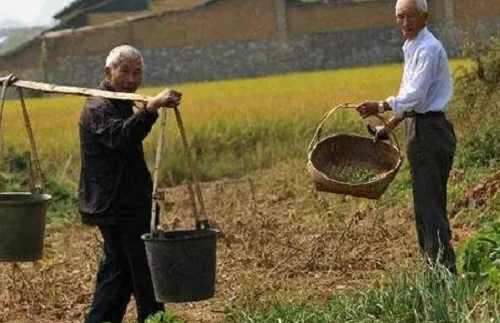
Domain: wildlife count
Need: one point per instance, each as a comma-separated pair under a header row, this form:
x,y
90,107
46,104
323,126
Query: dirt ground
x,y
280,241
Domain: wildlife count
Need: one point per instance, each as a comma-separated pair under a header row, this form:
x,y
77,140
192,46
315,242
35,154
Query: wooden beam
x,y
71,90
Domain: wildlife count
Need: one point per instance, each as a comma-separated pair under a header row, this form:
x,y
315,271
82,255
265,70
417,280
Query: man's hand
x,y
167,98
368,108
382,132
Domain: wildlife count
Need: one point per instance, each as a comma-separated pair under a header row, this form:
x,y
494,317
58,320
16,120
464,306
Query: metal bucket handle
x,y
195,194
36,175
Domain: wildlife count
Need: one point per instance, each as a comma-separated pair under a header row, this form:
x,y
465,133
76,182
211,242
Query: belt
x,y
413,114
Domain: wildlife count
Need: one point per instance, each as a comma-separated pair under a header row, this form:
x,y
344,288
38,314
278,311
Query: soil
x,y
280,241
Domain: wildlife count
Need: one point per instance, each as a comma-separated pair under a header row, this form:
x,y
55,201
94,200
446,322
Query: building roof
x,y
52,33
87,5
75,5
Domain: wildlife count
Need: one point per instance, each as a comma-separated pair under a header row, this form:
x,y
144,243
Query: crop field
x,y
286,252
236,126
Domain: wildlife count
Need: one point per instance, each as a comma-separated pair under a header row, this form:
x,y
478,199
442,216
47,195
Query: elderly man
x,y
115,187
424,94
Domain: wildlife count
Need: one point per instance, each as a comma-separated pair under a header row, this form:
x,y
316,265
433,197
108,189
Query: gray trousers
x,y
430,147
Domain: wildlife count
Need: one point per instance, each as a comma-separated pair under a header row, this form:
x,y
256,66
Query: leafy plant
x,y
163,317
480,256
480,148
353,175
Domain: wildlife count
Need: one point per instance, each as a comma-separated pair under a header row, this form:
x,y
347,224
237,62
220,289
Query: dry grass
x,y
280,241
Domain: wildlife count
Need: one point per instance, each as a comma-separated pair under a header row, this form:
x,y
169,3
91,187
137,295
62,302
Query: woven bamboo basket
x,y
330,158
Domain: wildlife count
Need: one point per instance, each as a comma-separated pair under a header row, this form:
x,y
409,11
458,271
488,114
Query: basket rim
x,y
345,134
362,184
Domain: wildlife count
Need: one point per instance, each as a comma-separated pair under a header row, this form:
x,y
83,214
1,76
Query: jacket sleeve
x,y
117,132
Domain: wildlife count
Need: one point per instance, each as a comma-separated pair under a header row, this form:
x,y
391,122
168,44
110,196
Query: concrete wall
x,y
225,39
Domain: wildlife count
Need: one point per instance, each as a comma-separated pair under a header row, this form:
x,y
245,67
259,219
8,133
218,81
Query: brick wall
x,y
233,20
162,5
470,12
333,17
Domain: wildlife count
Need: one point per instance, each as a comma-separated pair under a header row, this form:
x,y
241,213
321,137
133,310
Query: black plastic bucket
x,y
182,264
22,226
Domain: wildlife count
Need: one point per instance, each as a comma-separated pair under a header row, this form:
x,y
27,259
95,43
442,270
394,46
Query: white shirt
x,y
426,84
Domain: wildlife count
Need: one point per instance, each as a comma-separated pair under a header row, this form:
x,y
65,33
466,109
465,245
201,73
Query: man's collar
x,y
105,85
421,35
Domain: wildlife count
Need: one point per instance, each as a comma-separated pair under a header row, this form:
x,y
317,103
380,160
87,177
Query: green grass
x,y
431,295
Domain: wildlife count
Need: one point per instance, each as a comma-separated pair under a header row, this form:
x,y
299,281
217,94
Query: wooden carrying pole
x,y
194,193
53,88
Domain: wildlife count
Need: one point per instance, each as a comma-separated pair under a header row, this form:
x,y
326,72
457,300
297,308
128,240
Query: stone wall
x,y
226,60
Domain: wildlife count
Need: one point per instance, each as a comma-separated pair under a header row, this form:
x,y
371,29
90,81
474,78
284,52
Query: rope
x,y
2,102
159,150
36,178
194,192
192,166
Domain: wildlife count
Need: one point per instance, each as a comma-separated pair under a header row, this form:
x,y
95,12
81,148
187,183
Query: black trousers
x,y
123,272
430,144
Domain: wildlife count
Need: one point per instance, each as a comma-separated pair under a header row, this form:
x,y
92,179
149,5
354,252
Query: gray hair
x,y
118,54
420,4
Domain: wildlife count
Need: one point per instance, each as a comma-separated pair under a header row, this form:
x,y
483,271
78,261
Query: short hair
x,y
420,4
118,54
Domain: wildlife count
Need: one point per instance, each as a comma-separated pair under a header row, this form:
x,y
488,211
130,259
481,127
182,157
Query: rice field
x,y
235,126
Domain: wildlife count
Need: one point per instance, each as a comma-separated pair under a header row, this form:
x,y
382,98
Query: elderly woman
x,y
115,187
424,94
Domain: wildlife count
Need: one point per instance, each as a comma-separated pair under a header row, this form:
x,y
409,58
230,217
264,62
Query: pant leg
x,y
430,153
133,229
113,284
411,148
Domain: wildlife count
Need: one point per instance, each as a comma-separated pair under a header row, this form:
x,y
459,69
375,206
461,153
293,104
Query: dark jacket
x,y
114,178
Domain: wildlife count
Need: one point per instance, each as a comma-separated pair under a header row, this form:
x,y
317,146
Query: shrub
x,y
480,256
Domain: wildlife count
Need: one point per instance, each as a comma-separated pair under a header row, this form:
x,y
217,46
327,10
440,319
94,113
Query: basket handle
x,y
317,134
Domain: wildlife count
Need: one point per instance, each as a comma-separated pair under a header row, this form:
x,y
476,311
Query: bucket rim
x,y
181,235
35,198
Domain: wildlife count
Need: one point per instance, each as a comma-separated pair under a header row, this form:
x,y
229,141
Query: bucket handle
x,y
2,103
159,150
317,134
194,193
36,176
200,223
